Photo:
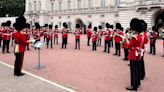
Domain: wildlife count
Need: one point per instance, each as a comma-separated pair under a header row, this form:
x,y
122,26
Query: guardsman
x,y
100,34
111,40
6,37
107,34
56,31
45,32
134,53
50,37
118,38
27,34
94,39
143,49
1,33
21,43
78,33
36,33
64,35
153,36
89,33
125,45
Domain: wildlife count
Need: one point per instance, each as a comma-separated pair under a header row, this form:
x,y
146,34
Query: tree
x,y
12,7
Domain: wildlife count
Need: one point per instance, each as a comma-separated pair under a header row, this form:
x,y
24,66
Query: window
x,y
89,16
39,5
90,3
102,24
79,4
60,24
60,5
29,7
102,16
69,5
103,3
35,5
68,17
52,6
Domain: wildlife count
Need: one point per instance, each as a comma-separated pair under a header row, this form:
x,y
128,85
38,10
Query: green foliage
x,y
12,7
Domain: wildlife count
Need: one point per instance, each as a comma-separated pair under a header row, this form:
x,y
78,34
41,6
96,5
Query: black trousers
x,y
142,68
49,41
118,49
152,49
18,63
111,43
107,46
56,39
99,42
94,46
0,41
126,53
88,43
45,37
64,43
134,73
5,45
77,44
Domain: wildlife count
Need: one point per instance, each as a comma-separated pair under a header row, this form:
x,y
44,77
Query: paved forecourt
x,y
89,71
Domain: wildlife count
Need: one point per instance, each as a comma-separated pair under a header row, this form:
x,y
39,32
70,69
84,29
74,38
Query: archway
x,y
159,18
80,22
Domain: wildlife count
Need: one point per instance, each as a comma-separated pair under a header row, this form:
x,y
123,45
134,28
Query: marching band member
x,y
89,33
6,37
78,32
21,43
134,53
56,31
1,33
111,40
94,39
125,46
27,34
49,37
36,33
161,31
64,35
143,49
118,38
45,32
100,34
107,34
153,36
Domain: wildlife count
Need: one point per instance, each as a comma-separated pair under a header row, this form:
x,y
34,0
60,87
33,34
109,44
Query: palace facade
x,y
97,12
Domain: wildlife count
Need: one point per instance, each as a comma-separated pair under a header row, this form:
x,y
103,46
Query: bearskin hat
x,y
56,26
50,26
118,26
122,29
3,24
95,29
90,25
100,27
107,25
8,23
20,23
144,25
27,25
136,25
154,28
65,25
37,26
111,26
77,26
45,25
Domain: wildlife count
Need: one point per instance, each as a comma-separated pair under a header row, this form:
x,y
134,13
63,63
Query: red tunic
x,y
65,33
89,33
78,34
118,37
107,35
56,33
7,34
94,37
134,46
153,38
21,42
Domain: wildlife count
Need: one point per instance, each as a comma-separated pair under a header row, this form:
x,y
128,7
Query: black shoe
x,y
114,54
131,88
8,52
21,74
104,51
